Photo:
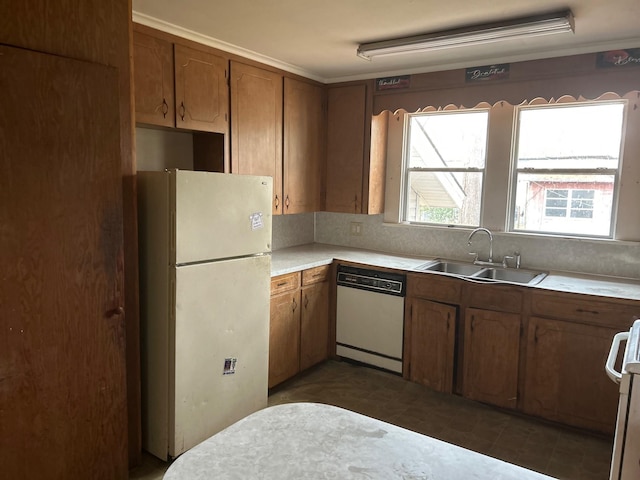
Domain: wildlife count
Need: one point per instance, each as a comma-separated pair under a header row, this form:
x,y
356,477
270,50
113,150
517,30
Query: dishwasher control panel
x,y
373,280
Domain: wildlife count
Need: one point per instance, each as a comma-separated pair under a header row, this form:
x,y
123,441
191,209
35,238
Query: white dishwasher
x,y
370,316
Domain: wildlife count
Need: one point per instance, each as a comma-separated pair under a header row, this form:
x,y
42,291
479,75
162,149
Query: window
x,y
445,156
569,203
566,168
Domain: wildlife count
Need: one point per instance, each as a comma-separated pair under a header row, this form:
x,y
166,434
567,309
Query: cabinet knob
x,y
277,202
286,202
295,305
182,110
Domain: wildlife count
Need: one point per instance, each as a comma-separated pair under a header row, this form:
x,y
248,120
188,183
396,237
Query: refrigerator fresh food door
x,y
220,215
221,346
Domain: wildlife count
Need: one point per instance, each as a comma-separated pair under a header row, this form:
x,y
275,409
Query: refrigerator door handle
x,y
613,355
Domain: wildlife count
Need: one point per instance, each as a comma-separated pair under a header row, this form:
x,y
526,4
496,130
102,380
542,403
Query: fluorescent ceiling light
x,y
559,22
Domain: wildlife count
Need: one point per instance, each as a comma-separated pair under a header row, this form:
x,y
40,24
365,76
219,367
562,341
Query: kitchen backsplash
x,y
600,257
292,230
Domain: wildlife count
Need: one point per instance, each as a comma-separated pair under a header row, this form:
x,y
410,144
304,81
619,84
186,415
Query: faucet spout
x,y
488,232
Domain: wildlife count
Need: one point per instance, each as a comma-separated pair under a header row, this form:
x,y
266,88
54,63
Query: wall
x,y
603,257
292,230
158,149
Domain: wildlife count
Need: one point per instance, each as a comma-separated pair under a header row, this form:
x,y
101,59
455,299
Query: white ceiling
x,y
318,38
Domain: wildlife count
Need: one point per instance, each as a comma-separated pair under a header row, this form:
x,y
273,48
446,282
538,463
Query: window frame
x,y
595,172
407,170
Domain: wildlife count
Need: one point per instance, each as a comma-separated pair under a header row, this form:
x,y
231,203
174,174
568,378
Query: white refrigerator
x,y
204,248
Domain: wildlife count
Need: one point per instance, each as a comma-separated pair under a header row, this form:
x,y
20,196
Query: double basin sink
x,y
492,274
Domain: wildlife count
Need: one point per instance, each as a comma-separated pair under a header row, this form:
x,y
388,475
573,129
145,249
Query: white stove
x,y
625,463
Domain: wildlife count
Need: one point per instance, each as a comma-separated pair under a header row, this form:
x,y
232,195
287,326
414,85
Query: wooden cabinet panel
x,y
284,337
565,379
153,80
304,142
585,309
202,96
346,126
434,287
491,354
284,283
432,349
314,324
502,298
256,125
63,407
315,275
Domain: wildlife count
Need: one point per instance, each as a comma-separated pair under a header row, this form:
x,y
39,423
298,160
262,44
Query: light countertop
x,y
301,257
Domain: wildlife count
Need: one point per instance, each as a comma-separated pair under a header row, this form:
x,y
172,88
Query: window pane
x,y
570,137
586,210
446,198
448,139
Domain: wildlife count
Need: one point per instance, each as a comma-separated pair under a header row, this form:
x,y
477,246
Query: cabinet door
x,y
314,325
565,379
284,337
63,409
345,148
256,125
303,145
491,347
202,96
153,80
433,328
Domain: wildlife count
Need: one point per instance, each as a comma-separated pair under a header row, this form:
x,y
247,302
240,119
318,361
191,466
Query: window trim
x,y
407,170
498,175
615,173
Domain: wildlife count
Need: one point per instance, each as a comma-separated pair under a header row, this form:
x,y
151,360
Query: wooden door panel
x,y
153,80
284,337
303,146
345,148
491,353
565,378
314,325
201,90
432,344
62,368
256,125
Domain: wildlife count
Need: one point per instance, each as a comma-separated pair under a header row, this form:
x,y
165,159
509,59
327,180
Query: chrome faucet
x,y
488,232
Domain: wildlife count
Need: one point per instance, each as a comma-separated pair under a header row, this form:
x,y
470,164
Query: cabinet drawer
x,y
584,309
284,283
502,298
434,287
315,275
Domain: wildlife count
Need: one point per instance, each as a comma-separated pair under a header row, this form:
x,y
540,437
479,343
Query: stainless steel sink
x,y
483,273
454,268
523,277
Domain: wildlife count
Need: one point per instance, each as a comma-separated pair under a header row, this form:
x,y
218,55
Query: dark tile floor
x,y
562,453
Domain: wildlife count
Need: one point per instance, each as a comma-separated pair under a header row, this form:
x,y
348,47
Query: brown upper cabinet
x,y
256,125
355,153
277,129
198,77
304,142
153,80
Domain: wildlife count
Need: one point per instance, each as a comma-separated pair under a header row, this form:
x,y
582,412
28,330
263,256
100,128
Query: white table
x,y
313,441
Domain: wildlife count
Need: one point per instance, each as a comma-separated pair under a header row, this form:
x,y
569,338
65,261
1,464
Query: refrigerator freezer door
x,y
220,215
222,314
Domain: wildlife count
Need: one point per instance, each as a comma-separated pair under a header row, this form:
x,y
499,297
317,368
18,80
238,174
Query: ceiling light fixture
x,y
549,24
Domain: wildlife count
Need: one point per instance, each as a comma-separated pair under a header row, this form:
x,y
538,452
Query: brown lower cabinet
x,y
491,353
537,351
565,378
432,330
299,325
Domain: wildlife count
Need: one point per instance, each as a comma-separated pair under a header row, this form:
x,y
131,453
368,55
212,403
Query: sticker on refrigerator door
x,y
229,366
256,221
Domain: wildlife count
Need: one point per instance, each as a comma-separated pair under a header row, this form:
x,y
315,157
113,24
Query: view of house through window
x,y
444,165
566,168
